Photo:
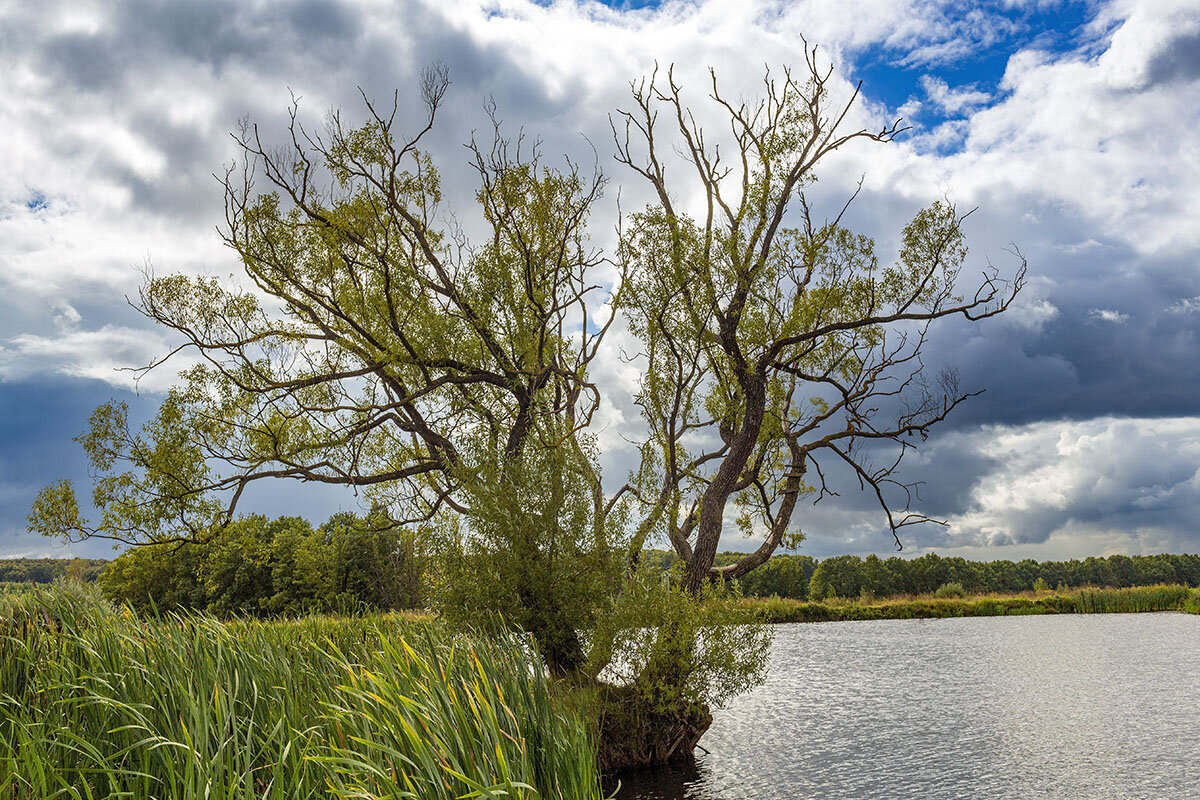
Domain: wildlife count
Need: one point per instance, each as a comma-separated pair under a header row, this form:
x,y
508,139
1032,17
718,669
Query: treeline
x,y
49,570
261,567
851,576
781,576
804,578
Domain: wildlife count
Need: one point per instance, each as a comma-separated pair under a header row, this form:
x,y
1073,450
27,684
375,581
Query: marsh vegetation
x,y
99,702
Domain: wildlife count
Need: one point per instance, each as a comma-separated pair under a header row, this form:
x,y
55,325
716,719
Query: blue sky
x,y
1070,125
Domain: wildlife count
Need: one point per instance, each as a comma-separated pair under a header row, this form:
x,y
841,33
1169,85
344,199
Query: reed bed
x,y
1191,605
1079,601
99,703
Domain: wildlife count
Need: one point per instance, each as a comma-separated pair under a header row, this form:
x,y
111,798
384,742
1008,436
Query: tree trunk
x,y
716,496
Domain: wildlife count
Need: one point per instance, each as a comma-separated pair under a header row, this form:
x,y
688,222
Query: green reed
x,y
1192,603
1135,599
99,703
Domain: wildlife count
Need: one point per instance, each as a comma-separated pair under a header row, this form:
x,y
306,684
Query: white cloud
x,y
105,354
1186,305
1031,313
1133,482
1107,315
64,316
953,101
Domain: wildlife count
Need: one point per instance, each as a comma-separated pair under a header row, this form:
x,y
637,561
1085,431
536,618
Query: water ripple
x,y
1073,707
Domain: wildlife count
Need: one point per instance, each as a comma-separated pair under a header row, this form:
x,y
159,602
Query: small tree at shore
x,y
773,339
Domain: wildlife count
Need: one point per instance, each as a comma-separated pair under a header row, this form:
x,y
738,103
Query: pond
x,y
1069,707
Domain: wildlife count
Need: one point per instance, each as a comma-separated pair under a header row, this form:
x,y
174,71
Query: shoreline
x,y
1139,599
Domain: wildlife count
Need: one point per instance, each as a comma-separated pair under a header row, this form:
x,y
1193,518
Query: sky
x,y
1070,126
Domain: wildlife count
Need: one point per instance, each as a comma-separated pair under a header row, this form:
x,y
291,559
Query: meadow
x,y
97,702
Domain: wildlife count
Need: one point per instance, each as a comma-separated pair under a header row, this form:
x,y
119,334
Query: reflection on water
x,y
1063,707
682,779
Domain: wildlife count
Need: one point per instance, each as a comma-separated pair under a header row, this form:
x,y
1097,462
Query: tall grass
x,y
1135,599
1192,604
98,703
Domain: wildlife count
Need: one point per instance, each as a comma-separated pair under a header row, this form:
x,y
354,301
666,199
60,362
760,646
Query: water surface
x,y
1070,707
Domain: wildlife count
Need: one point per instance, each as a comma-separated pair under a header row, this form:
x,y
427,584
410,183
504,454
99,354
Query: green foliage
x,y
1191,603
49,570
678,650
96,702
1130,600
954,589
539,550
837,577
849,576
260,567
781,576
166,577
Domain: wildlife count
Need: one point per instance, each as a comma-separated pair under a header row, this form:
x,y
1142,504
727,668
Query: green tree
x,y
164,577
781,576
409,362
773,339
840,576
262,567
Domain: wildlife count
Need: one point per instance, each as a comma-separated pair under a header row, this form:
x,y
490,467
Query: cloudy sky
x,y
1070,125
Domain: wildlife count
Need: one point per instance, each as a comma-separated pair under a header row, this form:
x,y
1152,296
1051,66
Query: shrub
x,y
952,589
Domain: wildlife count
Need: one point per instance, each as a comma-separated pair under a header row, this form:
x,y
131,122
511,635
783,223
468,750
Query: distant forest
x,y
261,567
48,570
805,578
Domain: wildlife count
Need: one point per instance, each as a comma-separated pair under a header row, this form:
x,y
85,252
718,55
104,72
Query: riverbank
x,y
1079,601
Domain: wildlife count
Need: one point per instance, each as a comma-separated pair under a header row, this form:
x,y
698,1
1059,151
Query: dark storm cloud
x,y
1118,344
144,33
1133,481
1178,61
38,420
88,63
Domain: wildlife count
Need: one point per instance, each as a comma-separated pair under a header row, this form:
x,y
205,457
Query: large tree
x,y
774,340
378,347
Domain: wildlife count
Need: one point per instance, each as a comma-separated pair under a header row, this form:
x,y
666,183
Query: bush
x,y
665,658
952,589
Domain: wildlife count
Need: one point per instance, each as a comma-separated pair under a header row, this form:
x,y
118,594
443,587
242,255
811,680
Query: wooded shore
x,y
929,606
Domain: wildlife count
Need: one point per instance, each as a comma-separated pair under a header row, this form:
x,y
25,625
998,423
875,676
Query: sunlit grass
x,y
98,703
